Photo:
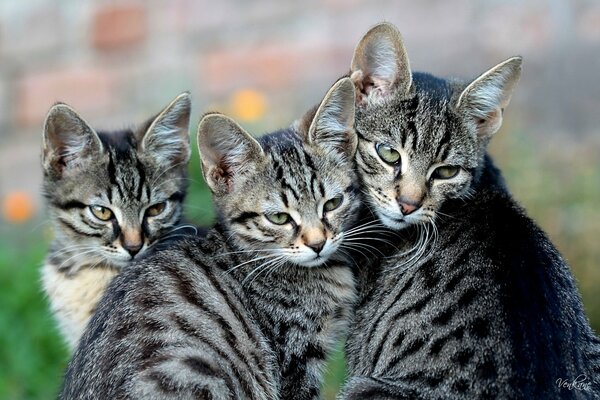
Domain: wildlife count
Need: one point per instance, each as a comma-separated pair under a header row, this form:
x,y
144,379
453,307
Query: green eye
x,y
102,213
156,209
445,172
332,204
387,153
278,218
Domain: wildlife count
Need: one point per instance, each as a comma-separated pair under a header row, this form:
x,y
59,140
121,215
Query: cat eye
x,y
156,209
278,218
102,213
387,153
332,204
445,172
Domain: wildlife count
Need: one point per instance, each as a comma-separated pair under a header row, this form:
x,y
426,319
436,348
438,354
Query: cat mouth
x,y
315,262
393,222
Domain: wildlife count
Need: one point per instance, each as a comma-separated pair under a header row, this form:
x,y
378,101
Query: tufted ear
x,y
167,138
68,141
226,151
484,100
380,67
332,126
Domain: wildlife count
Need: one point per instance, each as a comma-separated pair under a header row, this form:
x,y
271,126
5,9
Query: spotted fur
x,y
479,304
252,311
126,172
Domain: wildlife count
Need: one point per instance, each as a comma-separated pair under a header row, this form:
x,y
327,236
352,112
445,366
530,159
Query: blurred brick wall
x,y
119,62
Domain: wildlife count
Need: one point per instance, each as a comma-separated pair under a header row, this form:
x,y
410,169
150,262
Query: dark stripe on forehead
x,y
279,172
410,122
309,161
286,186
403,136
313,182
142,180
442,153
284,199
112,173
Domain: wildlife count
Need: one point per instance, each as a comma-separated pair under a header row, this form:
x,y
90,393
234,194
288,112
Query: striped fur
x,y
127,172
250,312
479,304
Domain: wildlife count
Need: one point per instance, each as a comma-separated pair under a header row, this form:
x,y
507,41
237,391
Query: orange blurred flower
x,y
18,207
248,105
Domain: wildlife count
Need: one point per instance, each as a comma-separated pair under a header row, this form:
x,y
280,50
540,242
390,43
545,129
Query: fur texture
x,y
476,302
111,197
252,311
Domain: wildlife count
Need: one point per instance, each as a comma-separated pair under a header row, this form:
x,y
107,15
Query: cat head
x,y
112,195
421,138
293,193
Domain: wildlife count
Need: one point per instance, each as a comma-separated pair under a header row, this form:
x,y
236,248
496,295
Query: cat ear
x,y
167,138
68,141
226,150
332,126
484,100
380,67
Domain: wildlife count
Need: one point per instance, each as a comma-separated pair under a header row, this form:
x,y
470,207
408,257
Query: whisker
x,y
249,261
266,263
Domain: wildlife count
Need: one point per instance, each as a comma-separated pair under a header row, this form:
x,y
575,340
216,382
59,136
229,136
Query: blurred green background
x,y
32,356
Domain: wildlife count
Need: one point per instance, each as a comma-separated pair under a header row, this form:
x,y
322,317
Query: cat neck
x,y
488,177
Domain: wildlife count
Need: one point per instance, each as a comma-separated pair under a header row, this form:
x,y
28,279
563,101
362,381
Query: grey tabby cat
x,y
253,310
479,304
111,197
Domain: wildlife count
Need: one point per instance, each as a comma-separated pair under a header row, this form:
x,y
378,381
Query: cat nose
x,y
317,246
133,248
408,206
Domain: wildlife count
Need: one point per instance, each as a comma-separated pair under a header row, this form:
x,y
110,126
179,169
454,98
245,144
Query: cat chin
x,y
393,223
316,262
119,262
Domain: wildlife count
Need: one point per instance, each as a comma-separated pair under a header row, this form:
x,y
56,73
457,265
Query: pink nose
x,y
408,206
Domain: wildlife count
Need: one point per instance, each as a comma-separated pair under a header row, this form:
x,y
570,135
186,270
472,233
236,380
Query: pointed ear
x,y
167,139
332,127
484,100
226,151
68,141
380,67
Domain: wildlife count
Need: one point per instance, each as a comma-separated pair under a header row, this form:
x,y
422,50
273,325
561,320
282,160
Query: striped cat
x,y
479,304
111,196
252,310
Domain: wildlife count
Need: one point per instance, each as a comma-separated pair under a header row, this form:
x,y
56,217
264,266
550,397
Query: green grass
x,y
32,356
560,189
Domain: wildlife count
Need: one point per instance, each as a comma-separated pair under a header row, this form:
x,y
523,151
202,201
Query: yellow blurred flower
x,y
18,207
248,105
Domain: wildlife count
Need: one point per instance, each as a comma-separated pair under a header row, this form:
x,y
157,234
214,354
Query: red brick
x,y
118,26
87,90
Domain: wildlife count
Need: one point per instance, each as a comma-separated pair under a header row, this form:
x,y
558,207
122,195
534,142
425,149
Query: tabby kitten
x,y
252,310
485,306
111,196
